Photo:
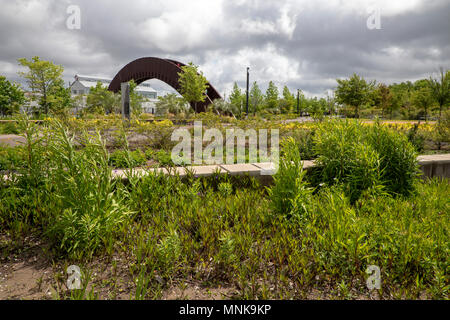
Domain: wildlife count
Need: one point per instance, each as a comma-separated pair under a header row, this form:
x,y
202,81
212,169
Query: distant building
x,y
83,84
31,102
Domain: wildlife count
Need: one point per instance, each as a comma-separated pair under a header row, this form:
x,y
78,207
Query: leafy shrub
x,y
169,251
398,159
289,190
365,157
163,157
9,128
226,255
225,189
11,158
158,133
305,141
127,159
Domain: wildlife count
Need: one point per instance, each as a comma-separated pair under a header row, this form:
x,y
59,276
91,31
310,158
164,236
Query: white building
x,y
83,84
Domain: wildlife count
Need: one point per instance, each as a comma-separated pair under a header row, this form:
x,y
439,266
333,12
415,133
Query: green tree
x,y
45,79
59,100
256,98
385,101
221,106
288,102
423,100
171,103
354,92
101,100
440,89
237,98
331,104
11,97
136,100
193,84
402,98
271,96
317,108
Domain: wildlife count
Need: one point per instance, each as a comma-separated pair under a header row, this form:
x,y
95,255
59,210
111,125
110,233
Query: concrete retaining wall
x,y
431,166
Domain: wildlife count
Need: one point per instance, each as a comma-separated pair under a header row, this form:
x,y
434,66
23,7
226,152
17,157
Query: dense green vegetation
x,y
307,233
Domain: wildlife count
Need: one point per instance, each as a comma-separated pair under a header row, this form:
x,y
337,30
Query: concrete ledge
x,y
202,171
241,169
431,166
436,165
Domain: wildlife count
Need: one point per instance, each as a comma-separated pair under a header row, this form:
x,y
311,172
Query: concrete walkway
x,y
431,166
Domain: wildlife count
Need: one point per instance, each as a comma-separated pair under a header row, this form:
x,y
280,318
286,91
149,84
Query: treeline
x,y
408,100
352,97
45,81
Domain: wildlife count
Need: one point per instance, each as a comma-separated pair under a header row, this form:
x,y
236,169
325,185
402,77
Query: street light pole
x,y
298,101
246,103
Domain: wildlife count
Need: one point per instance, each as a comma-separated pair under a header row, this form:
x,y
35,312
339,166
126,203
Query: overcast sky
x,y
301,44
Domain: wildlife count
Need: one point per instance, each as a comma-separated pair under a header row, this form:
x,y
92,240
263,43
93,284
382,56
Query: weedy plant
x,y
83,191
365,158
290,190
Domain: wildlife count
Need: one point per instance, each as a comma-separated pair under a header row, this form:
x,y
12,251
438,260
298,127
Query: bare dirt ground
x,y
28,273
25,273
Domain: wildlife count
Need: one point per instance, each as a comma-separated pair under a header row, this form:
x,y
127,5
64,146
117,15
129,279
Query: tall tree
x,y
101,100
287,103
256,98
59,100
317,108
237,98
440,89
423,100
385,99
11,97
45,79
331,103
271,96
402,98
354,92
136,100
193,84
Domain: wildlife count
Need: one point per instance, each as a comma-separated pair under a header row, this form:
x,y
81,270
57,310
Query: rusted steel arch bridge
x,y
166,70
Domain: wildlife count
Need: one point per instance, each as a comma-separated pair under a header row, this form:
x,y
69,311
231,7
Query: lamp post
x,y
246,102
298,101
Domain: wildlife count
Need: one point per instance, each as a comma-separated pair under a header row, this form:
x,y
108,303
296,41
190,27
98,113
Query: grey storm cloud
x,y
301,44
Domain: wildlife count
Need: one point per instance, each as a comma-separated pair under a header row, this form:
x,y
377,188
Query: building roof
x,y
91,81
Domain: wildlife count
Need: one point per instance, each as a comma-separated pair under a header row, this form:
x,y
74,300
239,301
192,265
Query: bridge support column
x,y
125,90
